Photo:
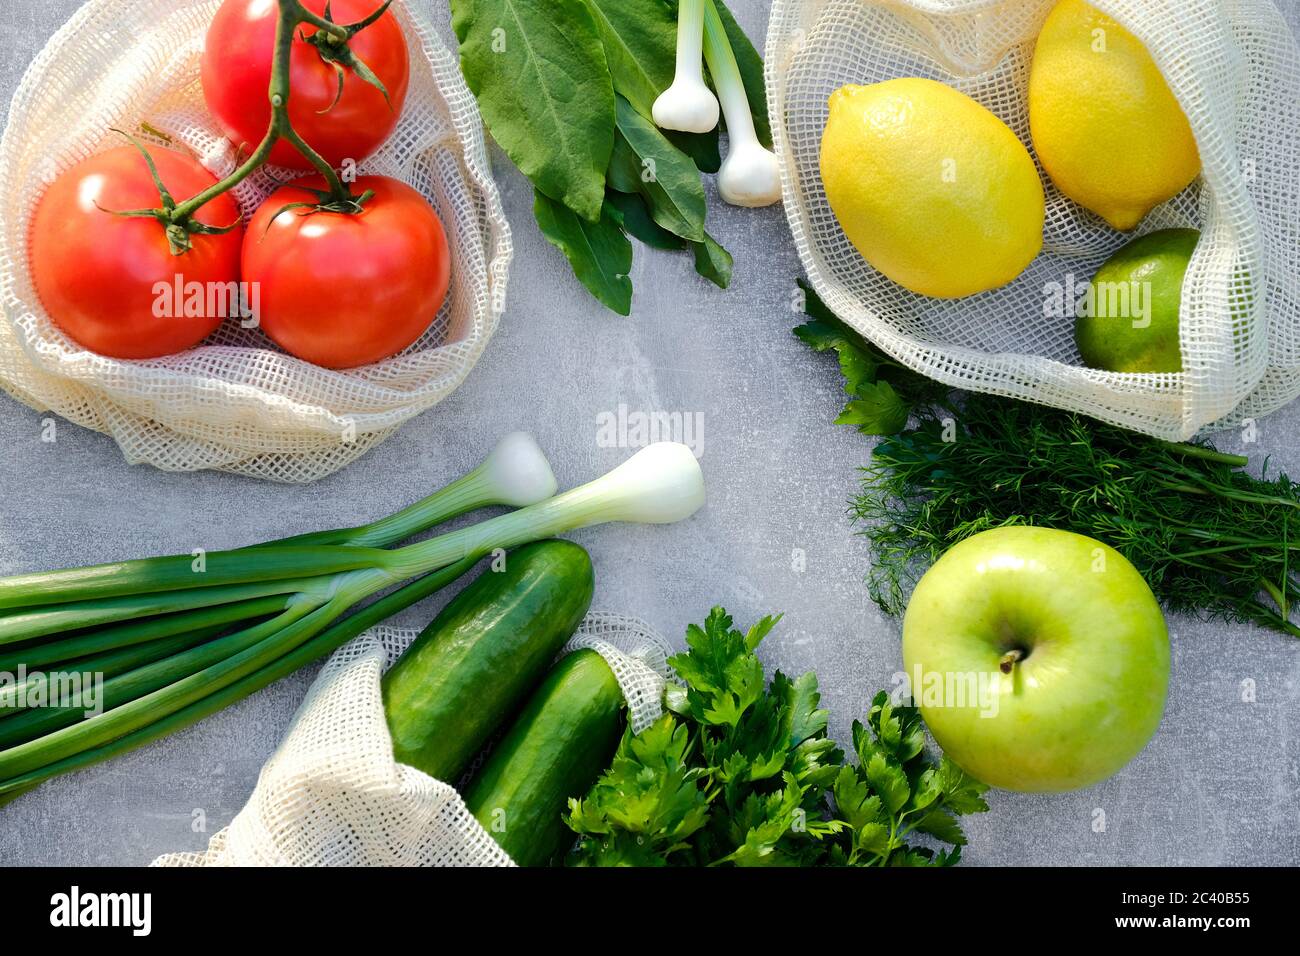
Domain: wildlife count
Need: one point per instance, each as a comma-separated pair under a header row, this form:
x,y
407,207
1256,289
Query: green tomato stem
x,y
292,13
335,30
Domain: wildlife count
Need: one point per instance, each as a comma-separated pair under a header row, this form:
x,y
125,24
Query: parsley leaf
x,y
882,391
741,773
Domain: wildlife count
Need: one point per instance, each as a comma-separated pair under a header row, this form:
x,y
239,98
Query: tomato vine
x,y
331,41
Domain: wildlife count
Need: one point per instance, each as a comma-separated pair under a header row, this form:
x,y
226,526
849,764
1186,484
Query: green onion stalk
x,y
176,639
750,174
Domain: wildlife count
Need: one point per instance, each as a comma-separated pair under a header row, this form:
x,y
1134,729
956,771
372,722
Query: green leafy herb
x,y
567,88
641,45
712,261
543,85
1207,537
599,252
645,162
740,772
882,392
637,223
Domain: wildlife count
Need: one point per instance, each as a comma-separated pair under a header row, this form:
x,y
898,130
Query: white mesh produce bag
x,y
237,403
332,794
1235,68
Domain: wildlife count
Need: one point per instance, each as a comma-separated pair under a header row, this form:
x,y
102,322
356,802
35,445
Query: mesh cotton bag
x,y
1235,68
237,402
332,795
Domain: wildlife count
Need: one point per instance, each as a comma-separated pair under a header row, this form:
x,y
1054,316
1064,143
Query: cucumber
x,y
472,667
563,739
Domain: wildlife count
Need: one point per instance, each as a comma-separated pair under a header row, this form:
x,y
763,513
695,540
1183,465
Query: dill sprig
x,y
1207,537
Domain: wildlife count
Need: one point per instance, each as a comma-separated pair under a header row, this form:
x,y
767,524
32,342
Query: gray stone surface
x,y
1220,784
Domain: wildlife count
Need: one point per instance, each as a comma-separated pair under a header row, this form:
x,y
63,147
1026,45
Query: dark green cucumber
x,y
472,667
563,739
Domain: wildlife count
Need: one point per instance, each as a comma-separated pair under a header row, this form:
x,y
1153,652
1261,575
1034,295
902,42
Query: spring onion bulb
x,y
515,474
660,484
750,175
296,618
688,104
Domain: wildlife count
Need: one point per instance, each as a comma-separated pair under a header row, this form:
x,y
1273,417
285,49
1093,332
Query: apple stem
x,y
1010,659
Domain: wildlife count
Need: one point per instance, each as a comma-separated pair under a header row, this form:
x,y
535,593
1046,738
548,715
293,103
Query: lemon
x,y
1136,296
934,190
1106,127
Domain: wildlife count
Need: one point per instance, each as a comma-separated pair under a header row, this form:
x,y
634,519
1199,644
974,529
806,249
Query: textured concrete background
x,y
1220,784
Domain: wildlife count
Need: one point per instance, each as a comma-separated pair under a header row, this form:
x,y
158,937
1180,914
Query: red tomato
x,y
236,71
109,281
339,289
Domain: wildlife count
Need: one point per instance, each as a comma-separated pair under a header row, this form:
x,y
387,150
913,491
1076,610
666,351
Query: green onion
x,y
28,623
323,644
516,474
299,613
688,104
126,687
750,174
153,576
100,640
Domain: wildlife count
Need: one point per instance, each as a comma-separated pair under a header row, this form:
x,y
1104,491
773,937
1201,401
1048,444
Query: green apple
x,y
1039,658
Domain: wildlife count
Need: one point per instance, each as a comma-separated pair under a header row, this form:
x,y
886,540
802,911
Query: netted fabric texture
x,y
332,794
1235,68
237,402
637,655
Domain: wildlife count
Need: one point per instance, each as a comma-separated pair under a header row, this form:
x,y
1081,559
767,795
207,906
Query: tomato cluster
x,y
236,69
338,285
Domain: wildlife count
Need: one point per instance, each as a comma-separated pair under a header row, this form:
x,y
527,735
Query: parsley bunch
x,y
740,771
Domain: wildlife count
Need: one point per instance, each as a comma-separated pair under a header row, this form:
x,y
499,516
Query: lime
x,y
1130,316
